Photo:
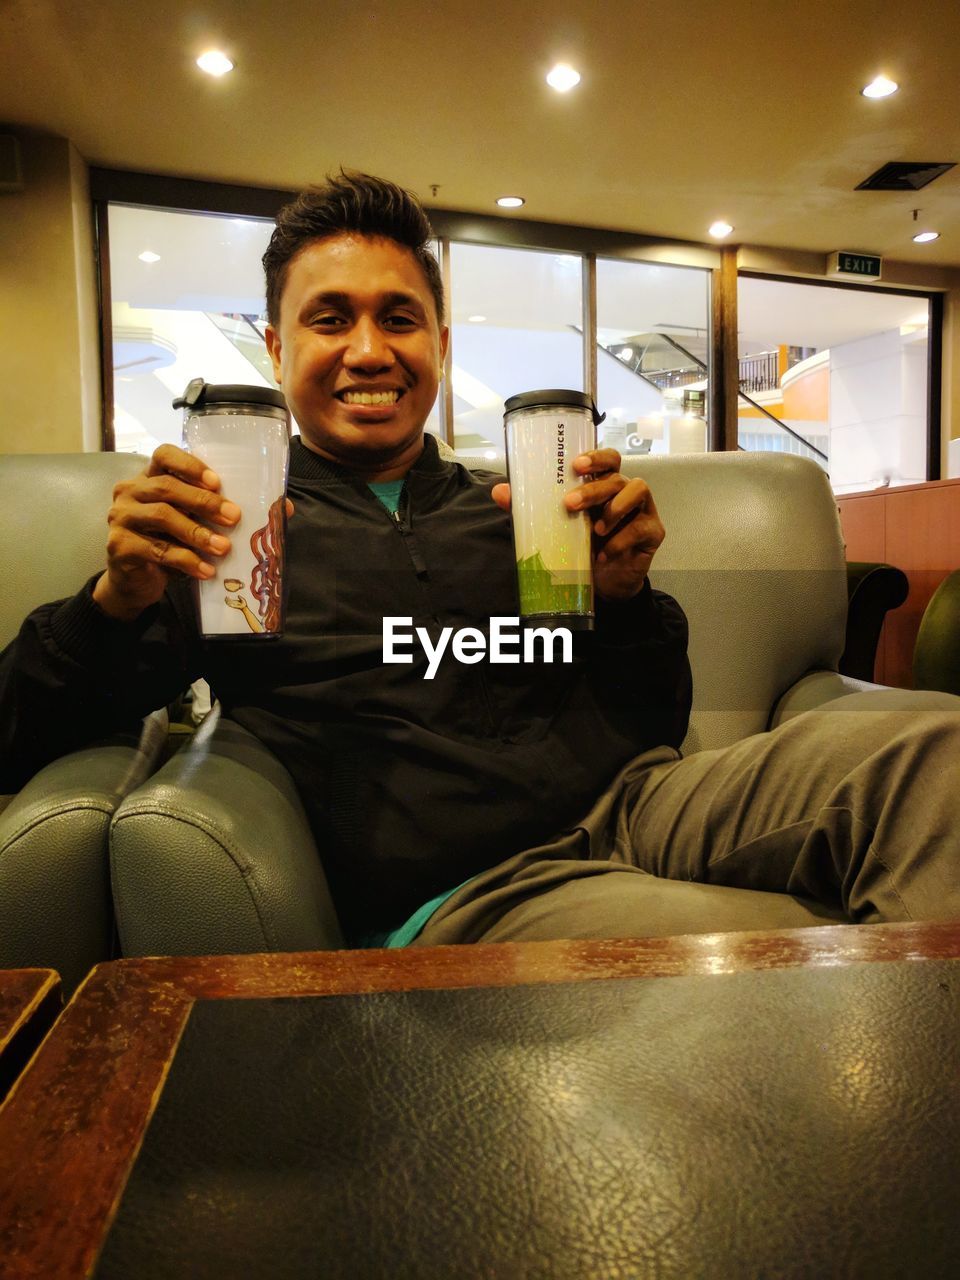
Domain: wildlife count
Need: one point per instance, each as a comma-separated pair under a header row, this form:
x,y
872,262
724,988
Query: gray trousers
x,y
848,812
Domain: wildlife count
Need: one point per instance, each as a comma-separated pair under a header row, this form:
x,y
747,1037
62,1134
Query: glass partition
x,y
838,375
834,373
188,301
516,325
653,335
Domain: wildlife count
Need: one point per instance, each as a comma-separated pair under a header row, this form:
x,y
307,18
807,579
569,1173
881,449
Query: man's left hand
x,y
627,529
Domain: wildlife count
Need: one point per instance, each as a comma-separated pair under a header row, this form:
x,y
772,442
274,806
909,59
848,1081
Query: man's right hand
x,y
158,528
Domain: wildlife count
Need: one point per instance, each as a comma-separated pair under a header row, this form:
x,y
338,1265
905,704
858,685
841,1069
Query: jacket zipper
x,y
405,530
409,539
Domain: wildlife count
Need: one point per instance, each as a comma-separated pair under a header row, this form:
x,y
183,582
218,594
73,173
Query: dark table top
x,y
782,1103
29,1001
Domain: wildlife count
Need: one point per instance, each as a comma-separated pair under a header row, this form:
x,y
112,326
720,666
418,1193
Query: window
x,y
652,356
516,325
836,374
188,301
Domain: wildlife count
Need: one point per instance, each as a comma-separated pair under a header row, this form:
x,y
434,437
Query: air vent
x,y
904,175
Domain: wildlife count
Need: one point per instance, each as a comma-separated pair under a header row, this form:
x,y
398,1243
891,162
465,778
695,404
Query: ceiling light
x,y
879,87
563,77
510,202
720,229
214,63
924,237
476,319
625,353
148,256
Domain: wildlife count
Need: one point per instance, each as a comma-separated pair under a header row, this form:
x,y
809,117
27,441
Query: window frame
x,y
189,195
934,400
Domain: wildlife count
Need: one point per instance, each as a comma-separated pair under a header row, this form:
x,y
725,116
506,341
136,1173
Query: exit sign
x,y
854,266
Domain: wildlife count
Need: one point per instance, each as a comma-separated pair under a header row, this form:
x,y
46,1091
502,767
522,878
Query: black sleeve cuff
x,y
627,621
86,635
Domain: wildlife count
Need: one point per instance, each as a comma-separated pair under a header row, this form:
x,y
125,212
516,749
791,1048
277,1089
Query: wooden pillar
x,y
725,357
446,387
101,215
589,310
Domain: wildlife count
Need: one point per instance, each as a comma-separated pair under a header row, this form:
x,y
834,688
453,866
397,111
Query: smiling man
x,y
488,802
413,786
357,345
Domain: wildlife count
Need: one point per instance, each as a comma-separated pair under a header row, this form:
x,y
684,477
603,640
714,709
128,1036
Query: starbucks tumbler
x,y
243,434
545,431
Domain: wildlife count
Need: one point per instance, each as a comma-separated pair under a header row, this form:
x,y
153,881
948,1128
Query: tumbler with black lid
x,y
243,434
545,431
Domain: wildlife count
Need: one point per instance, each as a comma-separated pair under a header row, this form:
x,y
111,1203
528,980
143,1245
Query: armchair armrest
x,y
54,882
214,855
872,591
813,690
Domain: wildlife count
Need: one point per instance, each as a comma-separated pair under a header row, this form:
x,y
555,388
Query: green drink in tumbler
x,y
545,431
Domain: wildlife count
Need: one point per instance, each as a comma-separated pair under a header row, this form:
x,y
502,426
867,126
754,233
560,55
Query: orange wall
x,y
807,397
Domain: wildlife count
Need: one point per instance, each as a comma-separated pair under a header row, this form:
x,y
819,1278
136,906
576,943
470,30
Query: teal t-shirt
x,y
405,934
389,494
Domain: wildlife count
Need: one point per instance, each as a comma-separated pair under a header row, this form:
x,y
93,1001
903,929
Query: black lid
x,y
546,399
201,395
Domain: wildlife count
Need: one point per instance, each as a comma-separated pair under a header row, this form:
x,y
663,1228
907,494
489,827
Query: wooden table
x,y
760,1057
29,1002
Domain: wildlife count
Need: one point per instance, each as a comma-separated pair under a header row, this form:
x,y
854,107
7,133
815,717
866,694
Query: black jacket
x,y
411,785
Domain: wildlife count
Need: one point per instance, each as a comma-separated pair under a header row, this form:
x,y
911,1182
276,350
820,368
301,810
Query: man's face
x,y
358,350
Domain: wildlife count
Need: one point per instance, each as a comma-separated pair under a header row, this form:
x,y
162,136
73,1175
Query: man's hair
x,y
349,202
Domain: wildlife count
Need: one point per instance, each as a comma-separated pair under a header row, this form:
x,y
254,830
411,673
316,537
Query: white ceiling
x,y
744,110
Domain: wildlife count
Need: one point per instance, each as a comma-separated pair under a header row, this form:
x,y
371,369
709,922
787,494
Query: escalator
x,y
662,361
667,366
246,335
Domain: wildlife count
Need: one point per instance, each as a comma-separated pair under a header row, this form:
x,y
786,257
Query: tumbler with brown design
x,y
243,433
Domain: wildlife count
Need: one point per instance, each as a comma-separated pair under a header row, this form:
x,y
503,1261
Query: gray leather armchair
x,y
55,902
936,654
213,854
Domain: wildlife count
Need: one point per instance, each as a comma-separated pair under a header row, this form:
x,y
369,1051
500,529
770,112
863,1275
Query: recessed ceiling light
x,y
563,77
879,87
510,202
720,229
625,353
214,63
476,319
148,256
924,237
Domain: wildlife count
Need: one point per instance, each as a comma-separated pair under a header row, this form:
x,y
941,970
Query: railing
x,y
668,378
818,455
760,372
812,450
